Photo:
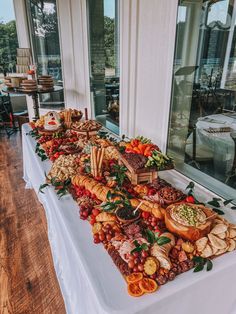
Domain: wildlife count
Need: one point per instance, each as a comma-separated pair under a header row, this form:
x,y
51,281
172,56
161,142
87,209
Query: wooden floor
x,y
28,282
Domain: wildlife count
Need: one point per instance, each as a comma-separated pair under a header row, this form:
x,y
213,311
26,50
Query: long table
x,y
90,282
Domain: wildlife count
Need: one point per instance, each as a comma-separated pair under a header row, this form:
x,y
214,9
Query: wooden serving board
x,y
88,134
142,175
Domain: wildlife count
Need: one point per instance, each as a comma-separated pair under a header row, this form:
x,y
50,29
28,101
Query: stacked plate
x,y
28,86
46,82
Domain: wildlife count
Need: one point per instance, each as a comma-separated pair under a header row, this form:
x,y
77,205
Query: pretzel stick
x,y
98,159
101,159
95,162
91,161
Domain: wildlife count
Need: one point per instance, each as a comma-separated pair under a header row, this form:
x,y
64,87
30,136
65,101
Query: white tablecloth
x,y
90,282
221,144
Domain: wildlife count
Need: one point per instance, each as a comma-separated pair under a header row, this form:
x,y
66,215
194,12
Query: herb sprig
x,y
61,186
200,263
34,133
111,204
119,174
139,247
40,152
216,203
154,237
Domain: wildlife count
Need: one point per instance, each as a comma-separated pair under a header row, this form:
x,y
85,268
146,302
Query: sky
x,y
6,10
109,8
218,12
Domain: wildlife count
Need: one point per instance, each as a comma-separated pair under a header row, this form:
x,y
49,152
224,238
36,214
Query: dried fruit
x,y
134,289
187,247
148,285
97,227
134,277
150,266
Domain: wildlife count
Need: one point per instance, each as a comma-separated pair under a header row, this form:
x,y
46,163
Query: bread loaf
x,y
100,190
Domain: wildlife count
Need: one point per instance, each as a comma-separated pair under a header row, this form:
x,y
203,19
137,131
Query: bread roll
x,y
100,190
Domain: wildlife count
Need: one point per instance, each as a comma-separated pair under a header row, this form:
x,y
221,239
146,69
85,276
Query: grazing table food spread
x,y
152,231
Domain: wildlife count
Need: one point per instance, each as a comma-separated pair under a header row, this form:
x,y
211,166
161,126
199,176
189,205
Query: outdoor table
x,y
89,280
221,144
34,95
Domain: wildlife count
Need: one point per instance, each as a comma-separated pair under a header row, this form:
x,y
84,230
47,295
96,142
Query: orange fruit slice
x,y
148,285
134,277
134,289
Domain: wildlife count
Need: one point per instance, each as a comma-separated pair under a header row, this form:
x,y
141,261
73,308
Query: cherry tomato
x,y
98,178
95,212
144,254
130,257
145,215
135,254
87,193
154,276
108,237
151,191
131,264
92,221
96,241
102,237
190,199
135,269
140,267
156,229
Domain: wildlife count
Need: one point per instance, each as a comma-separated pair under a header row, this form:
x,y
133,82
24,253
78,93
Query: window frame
x,y
212,185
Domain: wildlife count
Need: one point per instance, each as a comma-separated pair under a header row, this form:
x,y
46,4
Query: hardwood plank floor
x,y
28,282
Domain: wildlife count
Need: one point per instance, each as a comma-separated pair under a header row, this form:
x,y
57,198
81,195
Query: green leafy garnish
x,y
218,211
190,187
198,268
139,247
162,240
209,265
153,237
200,262
228,202
42,186
143,140
160,161
214,203
111,204
119,174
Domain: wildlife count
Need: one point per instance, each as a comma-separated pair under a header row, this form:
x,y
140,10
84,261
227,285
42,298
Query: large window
x,y
104,61
202,133
8,39
43,24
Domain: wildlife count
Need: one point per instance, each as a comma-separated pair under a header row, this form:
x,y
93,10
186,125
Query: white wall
x,y
151,26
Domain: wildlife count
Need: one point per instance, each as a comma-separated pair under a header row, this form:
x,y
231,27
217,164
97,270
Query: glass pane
x,y
202,131
43,25
104,61
8,39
